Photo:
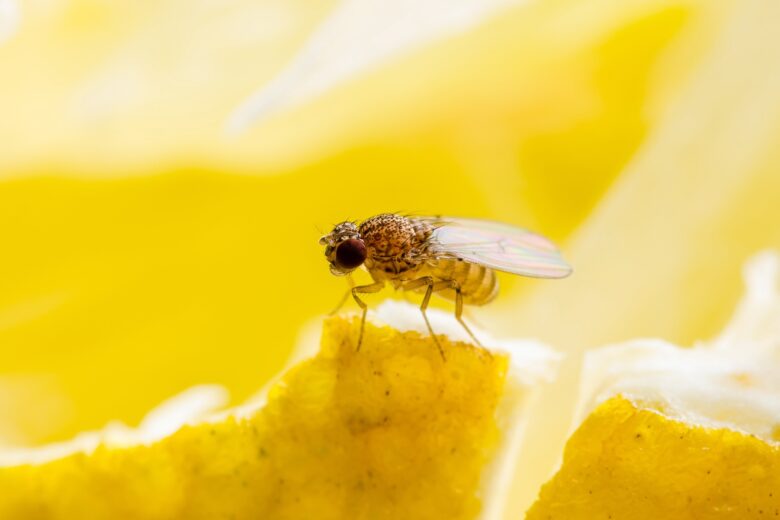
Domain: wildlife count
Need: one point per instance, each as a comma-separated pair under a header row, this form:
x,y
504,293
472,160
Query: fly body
x,y
453,257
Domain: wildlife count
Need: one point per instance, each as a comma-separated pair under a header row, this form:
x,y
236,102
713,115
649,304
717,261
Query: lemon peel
x,y
680,432
392,431
630,462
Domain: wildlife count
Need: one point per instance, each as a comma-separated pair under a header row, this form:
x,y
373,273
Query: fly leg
x,y
343,299
459,311
440,286
455,285
363,289
431,286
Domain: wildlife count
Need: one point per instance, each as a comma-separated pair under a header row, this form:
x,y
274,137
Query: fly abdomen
x,y
478,284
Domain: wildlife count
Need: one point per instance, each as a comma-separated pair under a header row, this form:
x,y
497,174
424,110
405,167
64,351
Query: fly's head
x,y
344,249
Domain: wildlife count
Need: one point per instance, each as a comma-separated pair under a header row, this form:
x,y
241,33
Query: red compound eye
x,y
350,254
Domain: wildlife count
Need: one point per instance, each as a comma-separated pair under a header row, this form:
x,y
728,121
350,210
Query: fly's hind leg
x,y
363,289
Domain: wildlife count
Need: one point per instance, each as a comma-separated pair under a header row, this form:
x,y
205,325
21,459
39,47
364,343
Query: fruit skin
x,y
634,463
389,432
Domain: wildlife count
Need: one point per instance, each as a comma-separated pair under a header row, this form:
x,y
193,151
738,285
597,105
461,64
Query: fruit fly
x,y
453,257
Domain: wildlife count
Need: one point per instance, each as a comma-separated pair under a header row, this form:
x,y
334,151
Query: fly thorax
x,y
395,243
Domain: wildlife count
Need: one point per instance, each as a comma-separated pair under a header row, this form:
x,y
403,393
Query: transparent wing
x,y
497,246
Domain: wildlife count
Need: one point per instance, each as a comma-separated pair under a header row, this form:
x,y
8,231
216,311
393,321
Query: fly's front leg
x,y
343,300
431,286
363,289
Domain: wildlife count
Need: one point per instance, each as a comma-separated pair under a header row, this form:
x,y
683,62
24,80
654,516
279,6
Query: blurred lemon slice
x,y
392,431
681,433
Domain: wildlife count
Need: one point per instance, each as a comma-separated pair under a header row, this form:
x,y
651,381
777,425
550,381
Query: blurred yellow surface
x,y
172,277
389,432
131,290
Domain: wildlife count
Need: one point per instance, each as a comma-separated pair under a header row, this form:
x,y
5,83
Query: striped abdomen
x,y
478,283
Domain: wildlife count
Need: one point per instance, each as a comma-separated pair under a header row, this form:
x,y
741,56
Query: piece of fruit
x,y
630,462
392,431
681,433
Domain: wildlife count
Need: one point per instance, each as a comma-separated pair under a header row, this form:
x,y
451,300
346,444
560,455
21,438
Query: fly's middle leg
x,y
363,289
441,286
459,312
431,286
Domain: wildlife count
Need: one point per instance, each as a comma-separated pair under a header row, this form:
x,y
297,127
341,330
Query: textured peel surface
x,y
629,462
680,432
392,431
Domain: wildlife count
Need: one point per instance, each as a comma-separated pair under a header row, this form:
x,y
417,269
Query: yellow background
x,y
144,250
